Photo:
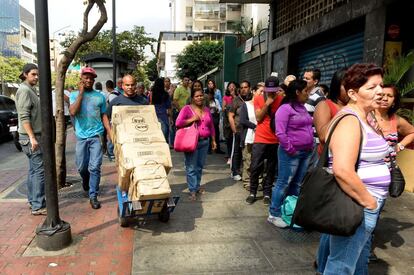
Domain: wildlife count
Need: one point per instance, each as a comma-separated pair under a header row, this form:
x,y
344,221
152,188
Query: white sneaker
x,y
237,178
277,221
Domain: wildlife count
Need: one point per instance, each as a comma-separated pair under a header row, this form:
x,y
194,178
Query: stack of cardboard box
x,y
142,156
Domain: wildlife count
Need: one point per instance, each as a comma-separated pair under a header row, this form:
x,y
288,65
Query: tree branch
x,y
86,15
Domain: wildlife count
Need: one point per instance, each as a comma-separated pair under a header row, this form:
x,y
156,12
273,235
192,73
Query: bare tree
x,y
68,56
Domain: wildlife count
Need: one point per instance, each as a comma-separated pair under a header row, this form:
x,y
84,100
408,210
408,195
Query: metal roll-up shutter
x,y
331,56
250,71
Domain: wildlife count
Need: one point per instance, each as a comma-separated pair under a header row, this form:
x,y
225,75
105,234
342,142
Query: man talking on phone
x,y
89,109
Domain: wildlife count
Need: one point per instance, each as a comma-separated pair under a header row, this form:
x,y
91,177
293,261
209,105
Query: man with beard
x,y
88,106
234,119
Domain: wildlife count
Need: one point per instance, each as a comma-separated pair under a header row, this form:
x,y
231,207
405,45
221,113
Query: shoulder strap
x,y
323,160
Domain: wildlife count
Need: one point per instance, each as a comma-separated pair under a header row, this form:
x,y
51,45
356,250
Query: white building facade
x,y
170,44
28,36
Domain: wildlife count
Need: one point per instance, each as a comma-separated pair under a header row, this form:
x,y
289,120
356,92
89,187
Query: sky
x,y
154,15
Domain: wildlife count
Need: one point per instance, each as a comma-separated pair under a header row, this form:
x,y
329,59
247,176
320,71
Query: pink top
x,y
228,99
205,126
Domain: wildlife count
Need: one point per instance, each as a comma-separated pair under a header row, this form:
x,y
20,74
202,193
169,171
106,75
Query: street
x,y
218,234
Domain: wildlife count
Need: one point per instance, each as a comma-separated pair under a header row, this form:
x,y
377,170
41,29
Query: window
x,y
189,11
173,59
9,104
189,28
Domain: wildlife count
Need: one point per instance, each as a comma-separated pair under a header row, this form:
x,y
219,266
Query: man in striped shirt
x,y
312,77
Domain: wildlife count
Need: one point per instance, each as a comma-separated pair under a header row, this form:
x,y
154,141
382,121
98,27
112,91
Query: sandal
x,y
192,197
201,191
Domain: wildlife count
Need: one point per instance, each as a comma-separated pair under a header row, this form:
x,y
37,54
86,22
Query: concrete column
x,y
374,35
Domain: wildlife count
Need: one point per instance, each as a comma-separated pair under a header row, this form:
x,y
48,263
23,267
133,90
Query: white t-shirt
x,y
65,104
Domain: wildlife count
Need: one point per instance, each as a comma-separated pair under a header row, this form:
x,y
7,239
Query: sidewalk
x,y
219,234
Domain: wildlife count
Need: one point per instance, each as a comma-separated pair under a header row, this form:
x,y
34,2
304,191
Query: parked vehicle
x,y
8,120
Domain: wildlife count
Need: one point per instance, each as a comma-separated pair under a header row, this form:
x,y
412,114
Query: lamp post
x,y
114,76
54,234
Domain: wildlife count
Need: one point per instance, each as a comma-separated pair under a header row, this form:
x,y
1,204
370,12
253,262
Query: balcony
x,y
207,15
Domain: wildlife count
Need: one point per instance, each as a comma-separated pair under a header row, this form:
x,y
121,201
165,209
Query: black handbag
x,y
322,205
397,184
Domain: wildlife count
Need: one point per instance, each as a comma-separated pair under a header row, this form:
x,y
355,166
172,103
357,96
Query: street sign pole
x,y
54,234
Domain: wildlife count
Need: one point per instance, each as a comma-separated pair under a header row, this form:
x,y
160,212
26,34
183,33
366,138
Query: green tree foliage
x,y
72,79
141,75
151,69
199,58
130,44
10,69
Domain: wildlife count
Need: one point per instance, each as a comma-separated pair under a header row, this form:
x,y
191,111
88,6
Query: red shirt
x,y
264,133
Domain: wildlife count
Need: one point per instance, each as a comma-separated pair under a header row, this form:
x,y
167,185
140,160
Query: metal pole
x,y
53,234
260,53
114,76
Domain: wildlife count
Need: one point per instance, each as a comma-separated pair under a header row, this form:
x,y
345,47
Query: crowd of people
x,y
273,132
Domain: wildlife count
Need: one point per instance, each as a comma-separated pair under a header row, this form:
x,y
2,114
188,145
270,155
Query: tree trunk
x,y
60,142
68,55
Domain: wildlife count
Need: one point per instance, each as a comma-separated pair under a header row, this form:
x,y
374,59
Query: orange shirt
x,y
264,133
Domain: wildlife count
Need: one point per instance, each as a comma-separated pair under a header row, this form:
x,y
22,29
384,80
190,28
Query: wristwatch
x,y
400,146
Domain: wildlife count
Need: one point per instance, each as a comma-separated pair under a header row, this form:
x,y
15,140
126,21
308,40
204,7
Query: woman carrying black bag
x,y
368,186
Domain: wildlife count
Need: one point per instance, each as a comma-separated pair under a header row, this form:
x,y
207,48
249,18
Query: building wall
x,y
369,16
28,35
10,28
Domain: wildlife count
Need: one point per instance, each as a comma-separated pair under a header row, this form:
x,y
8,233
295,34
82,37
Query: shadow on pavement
x,y
387,231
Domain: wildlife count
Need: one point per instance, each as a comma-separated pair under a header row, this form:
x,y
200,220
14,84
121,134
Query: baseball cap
x,y
271,84
27,68
89,70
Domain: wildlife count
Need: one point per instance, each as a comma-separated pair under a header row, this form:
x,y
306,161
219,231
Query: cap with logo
x,y
272,84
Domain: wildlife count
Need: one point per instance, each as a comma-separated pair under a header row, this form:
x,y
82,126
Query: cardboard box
x,y
149,189
137,114
143,172
405,160
139,133
132,155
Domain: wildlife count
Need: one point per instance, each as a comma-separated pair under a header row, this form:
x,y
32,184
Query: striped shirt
x,y
315,96
372,168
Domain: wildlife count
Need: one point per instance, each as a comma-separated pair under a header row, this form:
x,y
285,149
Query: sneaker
x,y
277,221
266,200
95,204
236,177
38,212
251,199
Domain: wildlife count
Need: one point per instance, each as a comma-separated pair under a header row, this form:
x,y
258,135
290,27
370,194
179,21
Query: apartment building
x,y
28,36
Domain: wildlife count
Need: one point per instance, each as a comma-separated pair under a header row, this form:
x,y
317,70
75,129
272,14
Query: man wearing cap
x,y
30,128
265,141
89,109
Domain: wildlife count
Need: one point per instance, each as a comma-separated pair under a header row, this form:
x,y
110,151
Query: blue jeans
x,y
110,149
89,161
194,163
36,176
349,255
165,128
292,169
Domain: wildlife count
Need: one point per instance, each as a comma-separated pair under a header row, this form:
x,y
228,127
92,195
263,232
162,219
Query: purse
x,y
186,139
322,205
397,184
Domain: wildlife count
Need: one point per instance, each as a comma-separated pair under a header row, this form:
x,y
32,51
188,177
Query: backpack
x,y
287,209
